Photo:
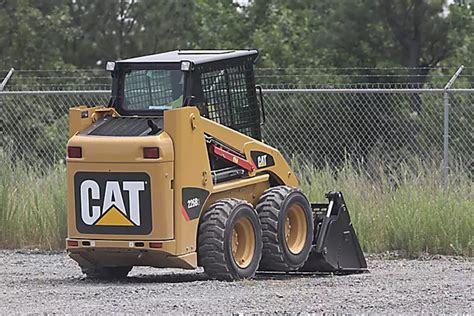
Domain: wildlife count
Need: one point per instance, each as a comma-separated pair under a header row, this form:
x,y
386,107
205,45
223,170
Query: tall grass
x,y
405,209
32,205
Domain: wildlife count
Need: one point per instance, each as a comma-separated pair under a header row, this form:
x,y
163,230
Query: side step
x,y
335,245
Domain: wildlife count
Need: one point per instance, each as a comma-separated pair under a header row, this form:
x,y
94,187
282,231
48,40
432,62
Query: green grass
x,y
406,210
32,205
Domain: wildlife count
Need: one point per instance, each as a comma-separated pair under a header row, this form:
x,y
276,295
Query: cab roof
x,y
195,56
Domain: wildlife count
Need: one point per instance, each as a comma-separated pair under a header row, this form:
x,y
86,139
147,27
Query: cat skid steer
x,y
173,173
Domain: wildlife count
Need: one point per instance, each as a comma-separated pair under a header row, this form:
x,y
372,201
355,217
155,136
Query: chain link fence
x,y
370,127
35,123
322,127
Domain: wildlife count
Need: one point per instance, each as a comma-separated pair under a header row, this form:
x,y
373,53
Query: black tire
x,y
272,209
107,273
215,240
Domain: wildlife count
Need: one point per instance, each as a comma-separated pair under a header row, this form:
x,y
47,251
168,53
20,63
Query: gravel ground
x,y
45,282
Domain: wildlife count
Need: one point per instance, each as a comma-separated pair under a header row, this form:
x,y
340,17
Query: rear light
x,y
74,152
151,153
156,245
72,243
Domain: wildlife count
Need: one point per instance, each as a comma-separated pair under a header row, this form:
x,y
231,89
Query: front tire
x,y
287,228
230,240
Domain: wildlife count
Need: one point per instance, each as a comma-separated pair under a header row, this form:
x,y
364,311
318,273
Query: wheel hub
x,y
295,228
243,242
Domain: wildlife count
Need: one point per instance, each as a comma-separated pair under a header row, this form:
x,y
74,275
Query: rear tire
x,y
230,240
107,273
287,228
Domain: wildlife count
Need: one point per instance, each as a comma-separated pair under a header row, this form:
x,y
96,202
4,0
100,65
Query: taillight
x,y
72,243
74,152
151,153
156,245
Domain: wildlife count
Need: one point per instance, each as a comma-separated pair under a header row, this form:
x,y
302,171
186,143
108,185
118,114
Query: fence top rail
x,y
57,92
267,91
388,91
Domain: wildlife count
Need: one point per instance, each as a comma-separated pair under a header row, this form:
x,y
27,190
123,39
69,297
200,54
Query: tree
x,y
127,28
165,25
221,24
421,29
462,22
94,40
419,34
33,33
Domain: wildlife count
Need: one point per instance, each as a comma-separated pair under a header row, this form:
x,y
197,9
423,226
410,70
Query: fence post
x,y
446,127
4,82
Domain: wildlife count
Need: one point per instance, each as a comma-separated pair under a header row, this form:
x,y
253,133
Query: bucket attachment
x,y
335,245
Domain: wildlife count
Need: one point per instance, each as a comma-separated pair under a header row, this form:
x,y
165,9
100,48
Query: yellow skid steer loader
x,y
173,173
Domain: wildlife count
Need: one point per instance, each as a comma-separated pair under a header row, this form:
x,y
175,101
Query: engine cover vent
x,y
124,126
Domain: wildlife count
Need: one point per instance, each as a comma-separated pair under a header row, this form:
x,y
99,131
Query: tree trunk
x,y
415,80
122,23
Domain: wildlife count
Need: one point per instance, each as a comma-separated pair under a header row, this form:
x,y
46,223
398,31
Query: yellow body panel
x,y
244,190
80,117
183,163
192,169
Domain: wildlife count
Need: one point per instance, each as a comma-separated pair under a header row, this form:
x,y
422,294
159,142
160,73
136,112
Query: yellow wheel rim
x,y
243,242
295,228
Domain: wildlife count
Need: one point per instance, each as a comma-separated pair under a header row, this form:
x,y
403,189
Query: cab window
x,y
152,89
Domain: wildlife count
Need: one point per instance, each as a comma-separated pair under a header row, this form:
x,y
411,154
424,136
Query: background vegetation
x,y
67,34
399,206
32,205
302,42
406,211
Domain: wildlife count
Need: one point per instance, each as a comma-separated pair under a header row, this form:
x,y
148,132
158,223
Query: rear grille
x,y
124,126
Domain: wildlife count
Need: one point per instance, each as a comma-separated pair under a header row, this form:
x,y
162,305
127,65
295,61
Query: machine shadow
x,y
201,277
167,278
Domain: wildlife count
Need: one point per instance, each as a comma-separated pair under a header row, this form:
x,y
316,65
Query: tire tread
x,y
211,239
268,209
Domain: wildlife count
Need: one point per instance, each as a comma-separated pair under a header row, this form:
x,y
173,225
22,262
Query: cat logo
x,y
113,202
113,211
262,161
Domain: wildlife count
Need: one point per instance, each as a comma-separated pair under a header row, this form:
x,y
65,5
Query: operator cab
x,y
220,83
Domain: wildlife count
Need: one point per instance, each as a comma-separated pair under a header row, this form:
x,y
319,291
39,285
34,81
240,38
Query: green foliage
x,y
32,205
303,33
35,129
406,210
55,34
221,24
34,33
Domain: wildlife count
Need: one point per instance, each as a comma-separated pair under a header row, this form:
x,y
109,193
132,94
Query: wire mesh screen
x,y
230,98
151,89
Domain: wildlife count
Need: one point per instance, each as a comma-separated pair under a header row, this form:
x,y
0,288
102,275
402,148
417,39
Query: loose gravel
x,y
47,282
